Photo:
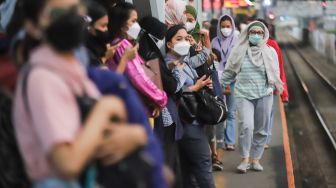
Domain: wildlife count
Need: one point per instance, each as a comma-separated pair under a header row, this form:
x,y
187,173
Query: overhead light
x,y
267,2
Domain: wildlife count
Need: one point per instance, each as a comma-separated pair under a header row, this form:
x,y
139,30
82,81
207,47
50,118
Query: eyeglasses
x,y
256,32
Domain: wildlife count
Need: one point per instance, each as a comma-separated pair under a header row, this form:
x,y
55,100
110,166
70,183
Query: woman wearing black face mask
x,y
99,37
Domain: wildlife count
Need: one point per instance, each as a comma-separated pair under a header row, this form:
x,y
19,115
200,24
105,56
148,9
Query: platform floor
x,y
273,161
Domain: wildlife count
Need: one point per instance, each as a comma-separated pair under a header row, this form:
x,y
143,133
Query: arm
x,y
180,77
284,94
67,149
228,76
199,59
139,79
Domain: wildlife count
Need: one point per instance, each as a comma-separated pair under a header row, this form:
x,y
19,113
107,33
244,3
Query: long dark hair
x,y
118,17
31,10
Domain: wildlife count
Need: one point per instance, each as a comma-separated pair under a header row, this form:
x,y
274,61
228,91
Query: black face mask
x,y
102,38
66,32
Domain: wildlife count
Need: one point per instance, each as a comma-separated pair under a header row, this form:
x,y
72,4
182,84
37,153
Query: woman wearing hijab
x,y
192,24
174,10
224,42
255,67
284,95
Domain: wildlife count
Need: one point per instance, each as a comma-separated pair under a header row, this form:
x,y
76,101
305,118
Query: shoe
x,y
266,146
217,165
243,167
230,147
257,167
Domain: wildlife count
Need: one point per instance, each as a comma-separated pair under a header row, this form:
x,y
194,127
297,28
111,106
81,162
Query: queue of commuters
x,y
90,75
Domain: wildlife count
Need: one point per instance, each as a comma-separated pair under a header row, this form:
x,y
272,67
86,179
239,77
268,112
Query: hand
x,y
227,90
180,65
122,140
205,33
191,40
130,53
205,38
203,81
110,50
156,112
105,108
210,85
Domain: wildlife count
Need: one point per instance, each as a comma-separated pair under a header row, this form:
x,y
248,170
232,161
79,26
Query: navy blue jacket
x,y
109,82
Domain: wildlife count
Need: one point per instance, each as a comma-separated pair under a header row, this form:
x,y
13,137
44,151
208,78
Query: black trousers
x,y
195,158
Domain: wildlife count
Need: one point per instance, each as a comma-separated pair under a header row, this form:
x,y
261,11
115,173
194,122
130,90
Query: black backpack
x,y
12,171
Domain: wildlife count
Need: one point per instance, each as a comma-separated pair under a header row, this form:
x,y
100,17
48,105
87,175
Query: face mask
x,y
134,30
159,43
216,63
182,48
102,37
255,39
66,32
190,26
226,31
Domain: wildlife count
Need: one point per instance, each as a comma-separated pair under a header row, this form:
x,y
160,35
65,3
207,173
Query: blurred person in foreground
x,y
56,145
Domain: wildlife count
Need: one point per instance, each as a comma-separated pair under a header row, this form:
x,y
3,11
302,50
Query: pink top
x,y
54,115
137,75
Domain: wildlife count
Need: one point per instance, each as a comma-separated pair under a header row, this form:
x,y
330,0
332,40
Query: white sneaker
x,y
243,167
257,167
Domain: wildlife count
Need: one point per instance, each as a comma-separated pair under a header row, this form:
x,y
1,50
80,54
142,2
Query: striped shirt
x,y
251,81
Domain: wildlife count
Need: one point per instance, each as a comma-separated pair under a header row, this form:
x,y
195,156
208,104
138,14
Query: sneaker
x,y
257,167
217,165
243,167
266,146
230,147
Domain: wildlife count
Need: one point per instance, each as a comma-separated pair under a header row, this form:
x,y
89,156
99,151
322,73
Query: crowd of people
x,y
86,78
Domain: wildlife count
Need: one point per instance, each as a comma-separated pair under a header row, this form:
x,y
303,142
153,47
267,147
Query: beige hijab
x,y
259,55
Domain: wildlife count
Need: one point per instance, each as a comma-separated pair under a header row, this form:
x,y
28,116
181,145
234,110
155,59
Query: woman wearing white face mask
x,y
193,147
124,29
224,42
192,24
255,65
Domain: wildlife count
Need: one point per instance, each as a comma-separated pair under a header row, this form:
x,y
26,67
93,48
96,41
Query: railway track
x,y
322,106
311,117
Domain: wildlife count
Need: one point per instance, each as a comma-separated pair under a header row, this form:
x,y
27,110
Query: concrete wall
x,y
324,43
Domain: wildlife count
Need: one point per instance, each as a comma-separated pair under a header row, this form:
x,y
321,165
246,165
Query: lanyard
x,y
227,50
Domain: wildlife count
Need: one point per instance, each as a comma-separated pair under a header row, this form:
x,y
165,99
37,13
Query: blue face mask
x,y
255,39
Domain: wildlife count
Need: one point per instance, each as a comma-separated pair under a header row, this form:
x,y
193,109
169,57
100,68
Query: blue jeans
x,y
229,132
55,183
253,121
270,125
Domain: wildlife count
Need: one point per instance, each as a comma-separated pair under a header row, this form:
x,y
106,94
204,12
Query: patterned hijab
x,y
175,12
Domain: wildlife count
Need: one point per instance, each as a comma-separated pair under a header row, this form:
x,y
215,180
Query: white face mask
x,y
190,26
134,30
159,43
182,48
226,31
